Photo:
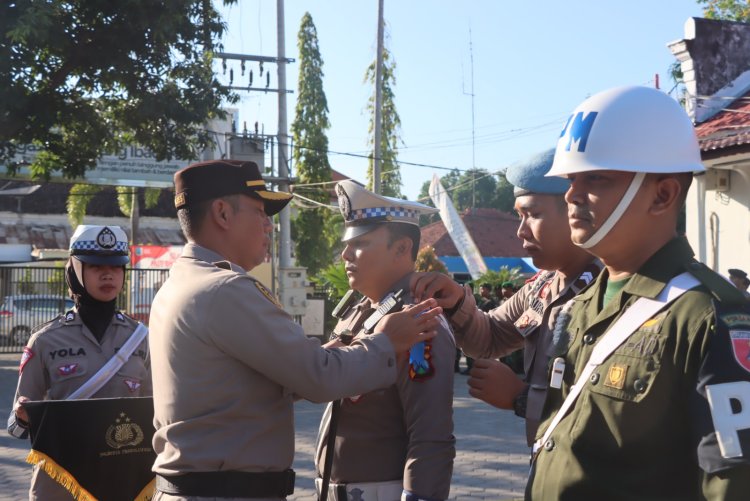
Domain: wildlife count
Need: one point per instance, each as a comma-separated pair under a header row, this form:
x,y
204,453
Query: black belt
x,y
229,484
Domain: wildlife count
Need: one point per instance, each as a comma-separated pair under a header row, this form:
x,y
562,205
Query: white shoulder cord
x,y
639,312
112,366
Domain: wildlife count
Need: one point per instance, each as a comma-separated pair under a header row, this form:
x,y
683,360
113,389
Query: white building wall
x,y
718,223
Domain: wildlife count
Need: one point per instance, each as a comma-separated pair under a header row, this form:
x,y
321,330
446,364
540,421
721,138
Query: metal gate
x,y
31,296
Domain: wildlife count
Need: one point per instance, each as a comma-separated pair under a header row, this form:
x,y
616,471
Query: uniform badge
x,y
616,376
27,355
420,361
67,369
741,347
345,204
132,384
268,294
106,239
123,433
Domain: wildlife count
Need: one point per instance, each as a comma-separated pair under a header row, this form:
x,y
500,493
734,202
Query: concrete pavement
x,y
491,457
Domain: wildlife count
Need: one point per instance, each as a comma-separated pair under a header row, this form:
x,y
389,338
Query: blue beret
x,y
528,176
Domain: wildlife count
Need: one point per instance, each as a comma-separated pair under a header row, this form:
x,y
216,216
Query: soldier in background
x,y
228,361
739,279
526,320
397,442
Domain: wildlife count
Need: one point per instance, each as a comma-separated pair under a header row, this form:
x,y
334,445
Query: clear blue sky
x,y
534,62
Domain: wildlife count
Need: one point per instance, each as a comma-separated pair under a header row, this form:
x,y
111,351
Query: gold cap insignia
x,y
179,200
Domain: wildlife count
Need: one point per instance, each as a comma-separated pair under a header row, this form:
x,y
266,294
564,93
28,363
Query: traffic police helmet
x,y
632,129
100,245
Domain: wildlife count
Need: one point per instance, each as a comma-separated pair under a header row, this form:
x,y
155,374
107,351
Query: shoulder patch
x,y
267,293
27,355
741,347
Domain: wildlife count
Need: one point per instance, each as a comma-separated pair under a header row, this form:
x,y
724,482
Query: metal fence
x,y
31,296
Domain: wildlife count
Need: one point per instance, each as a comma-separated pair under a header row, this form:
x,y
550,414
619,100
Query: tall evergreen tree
x,y
312,242
390,138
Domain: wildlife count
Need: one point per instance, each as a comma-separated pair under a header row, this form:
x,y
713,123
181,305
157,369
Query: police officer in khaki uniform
x,y
63,354
650,386
396,442
228,361
527,318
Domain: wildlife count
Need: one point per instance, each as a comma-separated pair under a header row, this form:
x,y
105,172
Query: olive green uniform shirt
x,y
525,320
641,428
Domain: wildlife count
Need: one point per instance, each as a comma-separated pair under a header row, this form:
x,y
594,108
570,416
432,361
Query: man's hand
x,y
20,411
436,285
413,324
495,383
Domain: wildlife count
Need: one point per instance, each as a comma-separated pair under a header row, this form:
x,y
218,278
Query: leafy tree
x,y
333,278
82,78
81,194
730,10
490,191
311,152
390,138
475,188
427,260
504,200
504,274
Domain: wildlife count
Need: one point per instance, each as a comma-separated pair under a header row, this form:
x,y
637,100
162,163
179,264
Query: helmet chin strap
x,y
622,206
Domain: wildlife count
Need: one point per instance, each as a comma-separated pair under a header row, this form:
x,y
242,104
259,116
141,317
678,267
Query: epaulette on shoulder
x,y
721,289
126,317
55,322
536,275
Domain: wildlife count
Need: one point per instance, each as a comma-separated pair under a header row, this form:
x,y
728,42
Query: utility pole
x,y
285,240
473,158
377,150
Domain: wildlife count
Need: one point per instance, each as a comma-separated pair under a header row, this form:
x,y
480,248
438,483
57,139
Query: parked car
x,y
20,314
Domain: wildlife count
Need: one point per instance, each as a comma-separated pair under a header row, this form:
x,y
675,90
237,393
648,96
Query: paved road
x,y
491,457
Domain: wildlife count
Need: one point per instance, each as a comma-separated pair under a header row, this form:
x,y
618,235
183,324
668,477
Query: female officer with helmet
x,y
62,355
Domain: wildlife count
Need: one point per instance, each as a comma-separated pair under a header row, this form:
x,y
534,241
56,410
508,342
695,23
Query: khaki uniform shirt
x,y
642,427
227,363
404,431
61,356
525,320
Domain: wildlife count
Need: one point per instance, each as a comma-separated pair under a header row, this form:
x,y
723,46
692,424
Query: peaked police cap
x,y
365,211
217,178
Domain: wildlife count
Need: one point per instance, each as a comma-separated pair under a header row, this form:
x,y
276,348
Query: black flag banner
x,y
98,449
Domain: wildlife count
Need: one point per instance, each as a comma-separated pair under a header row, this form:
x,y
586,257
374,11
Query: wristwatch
x,y
519,403
346,337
